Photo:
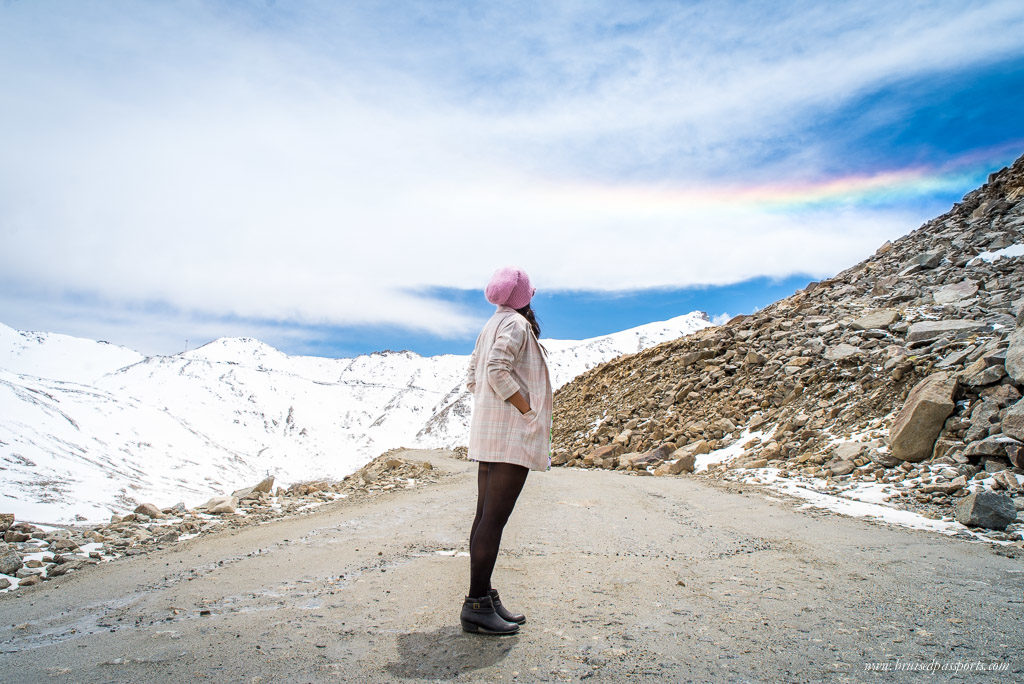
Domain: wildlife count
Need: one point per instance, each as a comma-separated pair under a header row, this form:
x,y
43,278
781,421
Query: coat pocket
x,y
535,434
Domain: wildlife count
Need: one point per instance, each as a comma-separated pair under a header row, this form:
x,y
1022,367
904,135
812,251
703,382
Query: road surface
x,y
620,576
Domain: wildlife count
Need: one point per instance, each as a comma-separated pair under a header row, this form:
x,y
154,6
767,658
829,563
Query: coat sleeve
x,y
471,373
508,346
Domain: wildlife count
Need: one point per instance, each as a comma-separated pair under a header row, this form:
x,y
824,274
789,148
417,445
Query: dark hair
x,y
527,313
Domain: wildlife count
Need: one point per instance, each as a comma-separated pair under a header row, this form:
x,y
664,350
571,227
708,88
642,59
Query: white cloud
x,y
721,319
325,169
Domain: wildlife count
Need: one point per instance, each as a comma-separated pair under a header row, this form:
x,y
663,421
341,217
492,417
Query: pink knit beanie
x,y
509,287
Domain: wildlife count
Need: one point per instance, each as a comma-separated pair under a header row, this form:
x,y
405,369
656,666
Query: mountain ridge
x,y
220,416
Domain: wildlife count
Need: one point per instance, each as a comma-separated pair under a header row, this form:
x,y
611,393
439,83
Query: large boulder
x,y
842,467
930,330
992,510
917,425
6,520
10,561
265,486
63,546
684,459
607,456
220,505
655,455
607,452
1013,421
559,457
842,352
683,464
954,292
149,509
984,371
876,320
1015,356
993,446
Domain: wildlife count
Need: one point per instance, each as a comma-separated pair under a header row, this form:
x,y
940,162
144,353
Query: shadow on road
x,y
446,653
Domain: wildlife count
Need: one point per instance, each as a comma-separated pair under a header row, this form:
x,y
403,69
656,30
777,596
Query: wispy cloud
x,y
326,164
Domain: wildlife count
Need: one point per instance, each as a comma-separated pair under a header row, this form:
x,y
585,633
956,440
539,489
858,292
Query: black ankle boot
x,y
478,617
503,612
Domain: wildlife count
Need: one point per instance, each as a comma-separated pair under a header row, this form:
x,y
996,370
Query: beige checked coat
x,y
508,358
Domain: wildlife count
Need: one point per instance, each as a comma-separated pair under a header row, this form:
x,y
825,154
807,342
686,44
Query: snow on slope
x,y
87,428
60,357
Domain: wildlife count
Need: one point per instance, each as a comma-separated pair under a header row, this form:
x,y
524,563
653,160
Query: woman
x,y
510,435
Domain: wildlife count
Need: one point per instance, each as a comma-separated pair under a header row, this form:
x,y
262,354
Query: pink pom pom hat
x,y
509,287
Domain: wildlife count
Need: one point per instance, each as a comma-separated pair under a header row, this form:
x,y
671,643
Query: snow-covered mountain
x,y
87,428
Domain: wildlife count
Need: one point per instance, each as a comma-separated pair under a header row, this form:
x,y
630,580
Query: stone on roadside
x,y
876,320
655,455
842,467
266,485
4,583
66,567
701,446
10,561
220,505
991,510
884,459
62,546
686,459
917,425
598,457
148,509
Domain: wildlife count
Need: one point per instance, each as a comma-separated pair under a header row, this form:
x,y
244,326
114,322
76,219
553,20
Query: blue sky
x,y
336,178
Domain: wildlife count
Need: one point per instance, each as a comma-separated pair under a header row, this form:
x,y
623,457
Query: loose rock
x,y
991,510
917,425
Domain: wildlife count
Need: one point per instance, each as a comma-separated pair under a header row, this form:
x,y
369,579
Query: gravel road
x,y
620,576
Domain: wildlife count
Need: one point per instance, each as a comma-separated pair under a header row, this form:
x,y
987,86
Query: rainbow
x,y
886,186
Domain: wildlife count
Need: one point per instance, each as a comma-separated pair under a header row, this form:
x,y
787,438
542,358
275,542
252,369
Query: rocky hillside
x,y
822,381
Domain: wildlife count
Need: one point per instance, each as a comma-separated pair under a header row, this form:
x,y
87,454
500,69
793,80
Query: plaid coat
x,y
508,358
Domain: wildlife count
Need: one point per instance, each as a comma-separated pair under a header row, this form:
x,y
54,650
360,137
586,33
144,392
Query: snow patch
x,y
1004,253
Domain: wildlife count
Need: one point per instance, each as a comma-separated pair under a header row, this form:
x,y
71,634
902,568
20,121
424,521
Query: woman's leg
x,y
504,482
483,469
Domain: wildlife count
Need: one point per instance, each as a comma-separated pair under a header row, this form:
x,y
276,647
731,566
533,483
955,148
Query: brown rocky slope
x,y
823,379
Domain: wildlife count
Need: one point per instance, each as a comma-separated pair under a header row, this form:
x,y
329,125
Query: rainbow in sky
x,y
955,177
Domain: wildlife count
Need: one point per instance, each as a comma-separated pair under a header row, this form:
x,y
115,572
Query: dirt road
x,y
620,576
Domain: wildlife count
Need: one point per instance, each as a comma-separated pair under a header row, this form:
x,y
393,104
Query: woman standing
x,y
510,435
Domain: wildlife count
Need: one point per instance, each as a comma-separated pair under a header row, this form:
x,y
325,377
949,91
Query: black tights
x,y
498,487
